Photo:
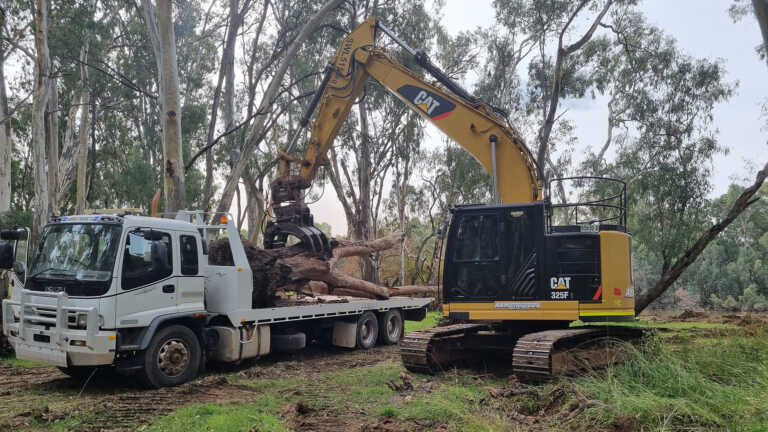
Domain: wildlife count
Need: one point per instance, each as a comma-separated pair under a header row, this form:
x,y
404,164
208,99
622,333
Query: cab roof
x,y
128,221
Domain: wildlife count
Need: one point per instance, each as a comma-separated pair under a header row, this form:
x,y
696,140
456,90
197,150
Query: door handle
x,y
169,288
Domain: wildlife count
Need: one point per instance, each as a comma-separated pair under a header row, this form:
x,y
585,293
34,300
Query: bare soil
x,y
115,403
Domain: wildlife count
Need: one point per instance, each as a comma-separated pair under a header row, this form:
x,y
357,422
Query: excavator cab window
x,y
477,238
474,257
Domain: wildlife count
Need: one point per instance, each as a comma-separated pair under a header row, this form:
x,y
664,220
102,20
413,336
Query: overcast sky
x,y
702,28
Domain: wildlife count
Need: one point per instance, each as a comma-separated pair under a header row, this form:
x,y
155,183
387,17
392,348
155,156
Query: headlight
x,y
82,321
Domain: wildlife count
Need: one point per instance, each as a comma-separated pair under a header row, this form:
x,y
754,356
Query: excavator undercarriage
x,y
533,355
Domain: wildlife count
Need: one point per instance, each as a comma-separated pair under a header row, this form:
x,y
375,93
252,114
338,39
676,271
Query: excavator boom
x,y
473,124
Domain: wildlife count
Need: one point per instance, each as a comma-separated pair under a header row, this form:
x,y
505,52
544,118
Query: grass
x,y
13,361
216,417
428,322
711,385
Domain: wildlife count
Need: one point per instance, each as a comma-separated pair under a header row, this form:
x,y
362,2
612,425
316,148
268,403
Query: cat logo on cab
x,y
561,288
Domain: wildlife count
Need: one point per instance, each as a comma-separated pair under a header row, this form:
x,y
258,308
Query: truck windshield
x,y
76,252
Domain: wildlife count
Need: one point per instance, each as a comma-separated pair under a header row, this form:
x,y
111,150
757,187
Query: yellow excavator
x,y
517,272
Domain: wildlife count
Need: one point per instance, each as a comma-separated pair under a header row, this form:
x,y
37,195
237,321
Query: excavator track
x,y
541,355
434,350
536,356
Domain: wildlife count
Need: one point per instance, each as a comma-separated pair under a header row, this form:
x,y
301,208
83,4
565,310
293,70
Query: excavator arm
x,y
468,121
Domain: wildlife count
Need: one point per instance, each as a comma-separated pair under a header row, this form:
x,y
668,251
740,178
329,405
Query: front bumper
x,y
41,333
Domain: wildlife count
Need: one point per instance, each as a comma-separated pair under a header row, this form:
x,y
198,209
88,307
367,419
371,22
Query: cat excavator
x,y
517,272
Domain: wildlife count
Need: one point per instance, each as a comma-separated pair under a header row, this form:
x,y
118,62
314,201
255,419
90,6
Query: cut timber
x,y
281,274
413,289
363,248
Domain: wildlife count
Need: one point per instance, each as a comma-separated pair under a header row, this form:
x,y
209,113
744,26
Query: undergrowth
x,y
718,385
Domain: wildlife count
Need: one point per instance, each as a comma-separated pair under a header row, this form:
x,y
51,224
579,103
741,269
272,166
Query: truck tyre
x,y
172,358
367,330
390,327
79,373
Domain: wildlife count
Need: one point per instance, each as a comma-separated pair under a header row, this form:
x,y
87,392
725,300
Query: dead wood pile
x,y
293,271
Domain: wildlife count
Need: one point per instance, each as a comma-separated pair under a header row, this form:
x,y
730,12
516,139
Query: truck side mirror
x,y
11,234
159,254
6,255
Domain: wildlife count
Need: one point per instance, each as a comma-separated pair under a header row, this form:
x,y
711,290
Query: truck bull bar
x,y
55,318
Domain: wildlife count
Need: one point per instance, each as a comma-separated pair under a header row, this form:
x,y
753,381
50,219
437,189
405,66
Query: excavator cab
x,y
569,260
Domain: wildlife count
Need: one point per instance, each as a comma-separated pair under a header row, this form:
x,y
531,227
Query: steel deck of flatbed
x,y
328,310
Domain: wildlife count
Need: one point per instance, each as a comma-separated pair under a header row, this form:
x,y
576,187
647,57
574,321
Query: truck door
x,y
146,290
191,284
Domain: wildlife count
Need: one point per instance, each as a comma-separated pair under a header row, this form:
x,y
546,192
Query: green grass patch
x,y
428,322
216,417
691,386
13,361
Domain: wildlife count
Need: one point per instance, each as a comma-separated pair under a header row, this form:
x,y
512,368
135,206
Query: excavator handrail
x,y
621,196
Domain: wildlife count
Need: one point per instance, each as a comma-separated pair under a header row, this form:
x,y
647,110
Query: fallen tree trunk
x,y
689,256
295,271
413,289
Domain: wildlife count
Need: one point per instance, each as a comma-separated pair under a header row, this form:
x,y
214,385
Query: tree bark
x,y
296,269
761,13
173,166
6,147
52,142
82,149
677,268
266,103
362,230
67,162
41,91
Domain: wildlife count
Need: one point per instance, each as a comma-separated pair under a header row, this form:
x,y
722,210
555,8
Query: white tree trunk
x,y
5,141
82,150
66,164
173,166
52,141
41,92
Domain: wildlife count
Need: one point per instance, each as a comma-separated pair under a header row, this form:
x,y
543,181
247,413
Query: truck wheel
x,y
391,327
172,358
79,373
367,330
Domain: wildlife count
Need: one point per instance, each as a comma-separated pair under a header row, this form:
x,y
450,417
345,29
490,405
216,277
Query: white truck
x,y
138,294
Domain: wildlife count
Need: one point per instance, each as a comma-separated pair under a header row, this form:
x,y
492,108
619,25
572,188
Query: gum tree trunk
x,y
173,166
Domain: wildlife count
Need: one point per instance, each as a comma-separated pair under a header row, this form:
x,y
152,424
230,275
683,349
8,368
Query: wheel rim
x,y
393,327
173,358
366,332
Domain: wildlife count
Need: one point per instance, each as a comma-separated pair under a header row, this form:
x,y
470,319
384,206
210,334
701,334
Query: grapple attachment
x,y
293,218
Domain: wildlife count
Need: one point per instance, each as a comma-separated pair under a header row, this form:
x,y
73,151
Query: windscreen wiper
x,y
59,272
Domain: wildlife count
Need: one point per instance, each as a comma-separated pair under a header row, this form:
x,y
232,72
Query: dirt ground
x,y
114,402
123,404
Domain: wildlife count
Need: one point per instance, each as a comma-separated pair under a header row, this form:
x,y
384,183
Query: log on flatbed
x,y
293,270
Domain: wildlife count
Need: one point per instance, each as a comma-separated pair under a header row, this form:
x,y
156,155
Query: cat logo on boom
x,y
433,105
